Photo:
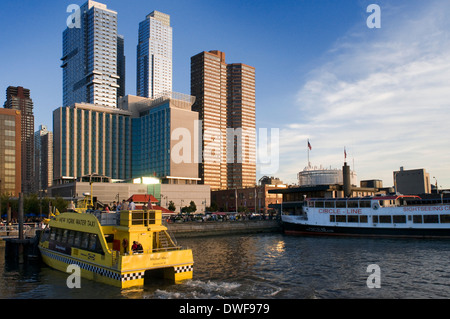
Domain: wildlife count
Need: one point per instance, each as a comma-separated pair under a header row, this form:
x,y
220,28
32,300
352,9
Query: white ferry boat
x,y
390,216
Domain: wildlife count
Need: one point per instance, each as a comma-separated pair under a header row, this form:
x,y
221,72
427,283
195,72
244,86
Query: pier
x,y
20,239
217,228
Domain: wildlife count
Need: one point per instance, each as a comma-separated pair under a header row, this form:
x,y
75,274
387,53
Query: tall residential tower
x,y
241,117
18,98
225,100
209,86
154,56
43,159
91,57
10,152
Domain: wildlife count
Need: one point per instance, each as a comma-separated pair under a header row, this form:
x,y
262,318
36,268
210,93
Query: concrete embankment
x,y
200,229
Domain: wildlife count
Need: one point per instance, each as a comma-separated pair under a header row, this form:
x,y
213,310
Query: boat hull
x,y
305,229
110,276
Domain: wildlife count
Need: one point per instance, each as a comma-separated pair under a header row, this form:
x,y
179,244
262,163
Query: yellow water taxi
x,y
123,249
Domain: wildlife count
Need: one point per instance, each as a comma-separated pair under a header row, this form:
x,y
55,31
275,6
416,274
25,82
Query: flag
x,y
309,145
345,153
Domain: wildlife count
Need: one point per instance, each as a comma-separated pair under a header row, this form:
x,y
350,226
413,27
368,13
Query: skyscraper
x,y
154,56
121,66
43,159
10,152
241,118
90,57
18,98
225,100
209,86
163,137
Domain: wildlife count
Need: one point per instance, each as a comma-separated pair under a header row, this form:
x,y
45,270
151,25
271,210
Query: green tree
x,y
192,207
31,204
171,206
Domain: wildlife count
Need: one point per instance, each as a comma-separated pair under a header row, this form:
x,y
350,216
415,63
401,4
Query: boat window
x,y
109,238
84,240
341,204
363,219
385,219
332,218
352,219
375,219
445,219
92,242
319,204
310,204
58,234
352,204
53,233
329,204
364,203
77,241
45,236
430,219
341,218
399,219
71,237
64,236
417,219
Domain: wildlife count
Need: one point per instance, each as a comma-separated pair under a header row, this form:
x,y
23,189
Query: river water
x,y
268,266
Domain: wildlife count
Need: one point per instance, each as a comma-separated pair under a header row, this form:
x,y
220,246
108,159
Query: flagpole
x,y
309,164
345,155
309,148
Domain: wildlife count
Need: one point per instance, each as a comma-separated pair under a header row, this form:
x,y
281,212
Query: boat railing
x,y
170,233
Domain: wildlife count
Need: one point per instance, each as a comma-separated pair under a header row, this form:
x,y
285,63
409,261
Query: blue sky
x,y
321,73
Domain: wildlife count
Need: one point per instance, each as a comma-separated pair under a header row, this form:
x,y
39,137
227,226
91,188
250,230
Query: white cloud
x,y
385,96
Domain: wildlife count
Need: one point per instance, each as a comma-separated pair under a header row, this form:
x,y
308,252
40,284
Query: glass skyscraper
x,y
154,56
91,56
163,136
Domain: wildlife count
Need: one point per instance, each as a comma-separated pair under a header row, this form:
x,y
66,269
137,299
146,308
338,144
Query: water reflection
x,y
267,266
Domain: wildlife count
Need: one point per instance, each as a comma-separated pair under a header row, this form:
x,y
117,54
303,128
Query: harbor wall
x,y
200,229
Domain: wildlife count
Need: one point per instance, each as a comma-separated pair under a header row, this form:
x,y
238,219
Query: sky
x,y
382,94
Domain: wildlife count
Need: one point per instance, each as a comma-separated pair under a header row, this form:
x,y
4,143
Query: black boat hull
x,y
303,229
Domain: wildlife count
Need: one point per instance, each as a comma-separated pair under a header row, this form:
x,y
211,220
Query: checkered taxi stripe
x,y
183,269
98,270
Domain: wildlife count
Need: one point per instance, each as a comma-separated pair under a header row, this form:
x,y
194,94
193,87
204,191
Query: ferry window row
x,y
76,239
340,204
388,219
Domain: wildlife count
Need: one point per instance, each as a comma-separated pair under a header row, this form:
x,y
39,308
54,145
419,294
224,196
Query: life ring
x,y
375,206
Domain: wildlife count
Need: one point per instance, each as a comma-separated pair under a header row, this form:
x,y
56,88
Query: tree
x,y
192,207
171,206
60,204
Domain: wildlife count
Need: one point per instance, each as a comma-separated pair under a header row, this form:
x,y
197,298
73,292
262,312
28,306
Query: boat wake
x,y
198,289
